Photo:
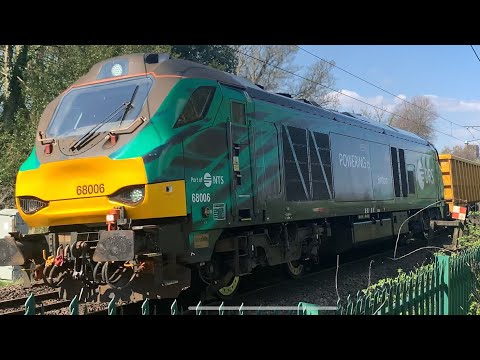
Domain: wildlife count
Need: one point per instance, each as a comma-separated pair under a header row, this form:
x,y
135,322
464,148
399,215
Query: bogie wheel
x,y
294,269
424,235
228,291
421,230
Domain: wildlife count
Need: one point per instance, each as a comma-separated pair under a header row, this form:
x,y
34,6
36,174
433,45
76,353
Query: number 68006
x,y
200,197
90,189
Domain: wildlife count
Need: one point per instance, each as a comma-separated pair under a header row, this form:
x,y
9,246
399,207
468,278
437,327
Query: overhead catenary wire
x,y
349,96
478,58
468,129
382,89
475,52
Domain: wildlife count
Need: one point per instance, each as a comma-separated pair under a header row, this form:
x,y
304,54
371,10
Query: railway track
x,y
10,307
40,309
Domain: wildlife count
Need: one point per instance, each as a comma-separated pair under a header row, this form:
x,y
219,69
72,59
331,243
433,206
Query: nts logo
x,y
207,179
424,173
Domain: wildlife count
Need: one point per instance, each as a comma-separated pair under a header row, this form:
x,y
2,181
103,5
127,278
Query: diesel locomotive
x,y
151,171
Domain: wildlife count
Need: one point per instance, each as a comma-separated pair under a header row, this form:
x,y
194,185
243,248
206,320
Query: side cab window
x,y
197,106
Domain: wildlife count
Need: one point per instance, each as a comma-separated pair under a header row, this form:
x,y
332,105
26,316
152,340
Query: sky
x,y
448,74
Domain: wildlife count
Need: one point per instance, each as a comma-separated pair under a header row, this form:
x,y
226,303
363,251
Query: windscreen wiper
x,y
90,134
129,106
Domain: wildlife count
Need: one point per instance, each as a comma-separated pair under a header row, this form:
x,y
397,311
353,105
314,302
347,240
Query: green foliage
x,y
471,234
5,283
470,239
475,304
221,57
15,146
402,278
427,289
36,74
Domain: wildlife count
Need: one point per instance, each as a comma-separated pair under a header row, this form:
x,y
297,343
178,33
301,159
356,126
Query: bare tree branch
x,y
267,71
14,98
375,113
469,152
7,61
414,118
318,73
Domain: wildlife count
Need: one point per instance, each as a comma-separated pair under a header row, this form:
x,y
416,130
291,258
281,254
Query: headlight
x,y
31,205
130,195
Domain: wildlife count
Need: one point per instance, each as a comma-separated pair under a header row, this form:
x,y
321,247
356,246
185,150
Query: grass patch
x,y
5,283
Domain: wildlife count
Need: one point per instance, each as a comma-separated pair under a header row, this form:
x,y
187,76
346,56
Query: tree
x,y
469,152
377,114
271,66
266,70
2,199
15,59
417,117
319,73
220,57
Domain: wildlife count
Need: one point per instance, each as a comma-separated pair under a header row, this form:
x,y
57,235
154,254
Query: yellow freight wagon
x,y
461,180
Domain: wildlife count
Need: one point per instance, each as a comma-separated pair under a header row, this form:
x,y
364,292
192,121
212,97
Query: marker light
x,y
113,68
117,70
131,195
136,195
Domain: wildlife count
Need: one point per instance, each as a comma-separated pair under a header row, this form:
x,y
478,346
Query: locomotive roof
x,y
164,64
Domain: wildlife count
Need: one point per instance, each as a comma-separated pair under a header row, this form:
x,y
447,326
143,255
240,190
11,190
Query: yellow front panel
x,y
161,200
61,180
160,203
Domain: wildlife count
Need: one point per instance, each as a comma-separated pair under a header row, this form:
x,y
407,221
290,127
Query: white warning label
x,y
219,211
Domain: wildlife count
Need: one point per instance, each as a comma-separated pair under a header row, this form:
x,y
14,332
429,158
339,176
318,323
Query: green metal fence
x,y
462,282
442,288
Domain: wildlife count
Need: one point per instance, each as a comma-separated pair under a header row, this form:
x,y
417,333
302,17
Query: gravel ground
x,y
91,307
320,288
16,291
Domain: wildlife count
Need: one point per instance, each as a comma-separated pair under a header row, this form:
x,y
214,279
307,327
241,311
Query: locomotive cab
x,y
139,164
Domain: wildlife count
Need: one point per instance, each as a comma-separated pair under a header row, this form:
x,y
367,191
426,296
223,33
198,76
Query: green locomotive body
x,y
229,177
